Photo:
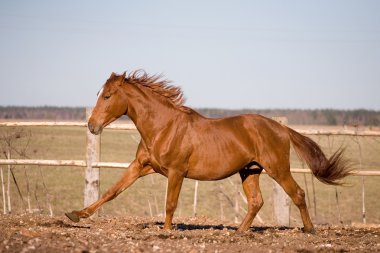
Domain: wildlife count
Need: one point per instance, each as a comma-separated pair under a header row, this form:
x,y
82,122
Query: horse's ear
x,y
122,78
112,74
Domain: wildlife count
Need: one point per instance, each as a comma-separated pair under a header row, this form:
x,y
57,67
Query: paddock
x,y
42,233
231,206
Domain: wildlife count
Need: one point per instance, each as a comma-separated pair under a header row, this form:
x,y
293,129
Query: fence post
x,y
281,201
9,180
91,188
3,190
195,198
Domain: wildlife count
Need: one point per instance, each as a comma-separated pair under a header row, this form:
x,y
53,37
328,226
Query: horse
x,y
177,142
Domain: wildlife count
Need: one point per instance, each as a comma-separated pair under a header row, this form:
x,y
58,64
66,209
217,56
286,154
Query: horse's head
x,y
111,104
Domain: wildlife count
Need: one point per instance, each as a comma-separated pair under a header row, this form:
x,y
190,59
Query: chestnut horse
x,y
179,143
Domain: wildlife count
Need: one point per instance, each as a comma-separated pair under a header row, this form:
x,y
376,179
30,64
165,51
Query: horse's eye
x,y
106,97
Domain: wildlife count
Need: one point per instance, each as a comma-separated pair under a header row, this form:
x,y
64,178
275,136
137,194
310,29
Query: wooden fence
x,y
92,163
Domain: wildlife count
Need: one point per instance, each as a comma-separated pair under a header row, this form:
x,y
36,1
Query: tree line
x,y
295,116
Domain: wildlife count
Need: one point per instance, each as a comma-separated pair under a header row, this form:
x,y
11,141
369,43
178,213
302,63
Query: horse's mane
x,y
161,86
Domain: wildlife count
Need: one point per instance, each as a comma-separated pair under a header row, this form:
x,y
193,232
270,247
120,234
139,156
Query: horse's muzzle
x,y
94,129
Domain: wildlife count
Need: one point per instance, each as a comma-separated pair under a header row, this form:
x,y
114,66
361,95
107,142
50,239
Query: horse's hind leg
x,y
252,191
298,196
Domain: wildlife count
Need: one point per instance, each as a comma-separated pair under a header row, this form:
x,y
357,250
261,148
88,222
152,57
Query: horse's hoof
x,y
309,231
72,216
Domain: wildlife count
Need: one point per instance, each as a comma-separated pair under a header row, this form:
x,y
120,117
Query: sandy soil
x,y
40,233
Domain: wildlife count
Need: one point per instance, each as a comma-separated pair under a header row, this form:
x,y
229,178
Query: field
x,y
60,189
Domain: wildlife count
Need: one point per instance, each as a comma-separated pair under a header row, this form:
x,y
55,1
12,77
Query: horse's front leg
x,y
175,179
134,171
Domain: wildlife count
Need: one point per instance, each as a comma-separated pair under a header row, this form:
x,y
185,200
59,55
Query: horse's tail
x,y
328,171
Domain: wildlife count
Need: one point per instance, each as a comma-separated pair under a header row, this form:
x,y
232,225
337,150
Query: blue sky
x,y
224,54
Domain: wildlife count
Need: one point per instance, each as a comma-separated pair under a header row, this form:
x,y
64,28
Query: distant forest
x,y
295,116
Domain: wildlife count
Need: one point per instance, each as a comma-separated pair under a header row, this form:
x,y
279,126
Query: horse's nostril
x,y
90,127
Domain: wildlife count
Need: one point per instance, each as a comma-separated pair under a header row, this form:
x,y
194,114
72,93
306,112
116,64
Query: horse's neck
x,y
149,113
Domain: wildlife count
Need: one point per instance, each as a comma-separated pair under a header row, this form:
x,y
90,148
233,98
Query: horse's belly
x,y
207,173
217,167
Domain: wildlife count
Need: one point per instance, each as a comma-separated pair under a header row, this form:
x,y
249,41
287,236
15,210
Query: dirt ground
x,y
41,233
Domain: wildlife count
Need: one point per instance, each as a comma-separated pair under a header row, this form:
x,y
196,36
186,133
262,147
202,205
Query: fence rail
x,y
120,126
71,163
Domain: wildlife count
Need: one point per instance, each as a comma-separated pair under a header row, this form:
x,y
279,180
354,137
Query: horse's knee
x,y
110,194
